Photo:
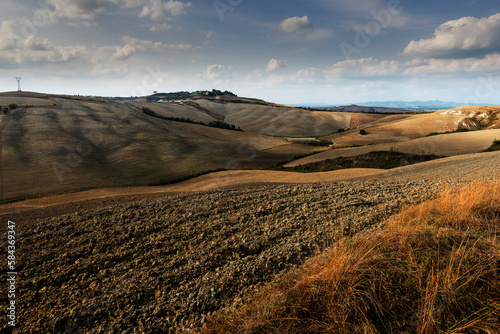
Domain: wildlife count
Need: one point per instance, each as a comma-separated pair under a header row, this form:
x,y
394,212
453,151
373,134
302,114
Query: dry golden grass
x,y
24,101
432,269
279,121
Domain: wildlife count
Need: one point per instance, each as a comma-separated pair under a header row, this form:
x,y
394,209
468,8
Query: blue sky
x,y
294,51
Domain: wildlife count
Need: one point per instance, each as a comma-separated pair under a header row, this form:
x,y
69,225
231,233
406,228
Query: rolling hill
x,y
57,143
101,256
61,143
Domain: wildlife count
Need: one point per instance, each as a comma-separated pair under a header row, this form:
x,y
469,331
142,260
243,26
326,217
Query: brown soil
x,y
163,265
214,181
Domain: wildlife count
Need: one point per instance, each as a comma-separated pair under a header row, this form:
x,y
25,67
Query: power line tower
x,y
18,84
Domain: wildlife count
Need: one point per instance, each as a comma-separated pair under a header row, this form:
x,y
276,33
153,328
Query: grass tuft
x,y
434,268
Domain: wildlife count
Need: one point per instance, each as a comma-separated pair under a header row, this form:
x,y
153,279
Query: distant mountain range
x,y
393,106
379,110
414,105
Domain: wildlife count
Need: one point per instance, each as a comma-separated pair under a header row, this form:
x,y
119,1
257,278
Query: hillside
x,y
443,133
106,252
476,117
55,143
442,145
277,120
373,109
61,143
173,262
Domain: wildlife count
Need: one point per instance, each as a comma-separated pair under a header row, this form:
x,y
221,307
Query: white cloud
x,y
364,67
176,7
134,45
160,27
9,38
489,63
156,9
87,10
453,38
109,68
312,35
275,64
295,23
80,10
311,74
217,72
17,49
34,50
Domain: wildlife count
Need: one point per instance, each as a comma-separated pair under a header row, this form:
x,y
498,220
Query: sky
x,y
292,52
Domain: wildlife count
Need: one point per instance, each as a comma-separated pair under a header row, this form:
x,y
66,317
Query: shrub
x,y
362,132
214,124
494,147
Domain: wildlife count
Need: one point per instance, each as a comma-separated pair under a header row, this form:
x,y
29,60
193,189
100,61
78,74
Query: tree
x,y
362,132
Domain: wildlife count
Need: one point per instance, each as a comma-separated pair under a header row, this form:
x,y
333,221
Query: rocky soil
x,y
163,265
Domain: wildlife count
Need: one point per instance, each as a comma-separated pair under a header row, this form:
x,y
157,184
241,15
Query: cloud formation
x,y
295,23
217,72
364,67
160,27
87,10
275,64
156,9
16,49
465,36
135,45
489,63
